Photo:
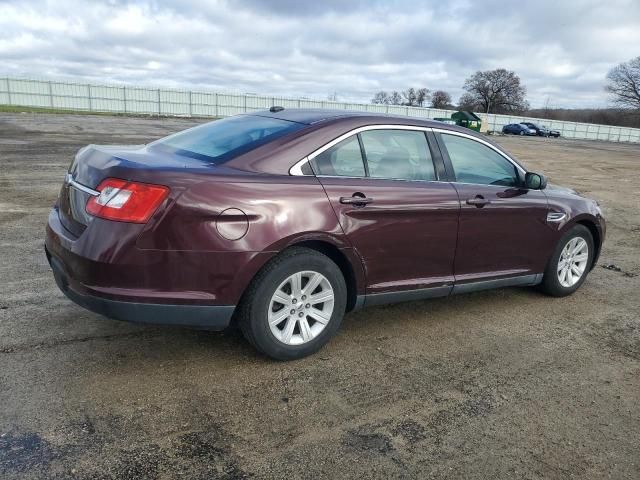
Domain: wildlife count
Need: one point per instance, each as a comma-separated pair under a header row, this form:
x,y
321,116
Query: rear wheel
x,y
294,305
570,262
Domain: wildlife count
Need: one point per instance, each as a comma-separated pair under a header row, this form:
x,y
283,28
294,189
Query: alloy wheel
x,y
573,262
301,307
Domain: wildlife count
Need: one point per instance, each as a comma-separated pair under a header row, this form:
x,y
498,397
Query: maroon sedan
x,y
283,220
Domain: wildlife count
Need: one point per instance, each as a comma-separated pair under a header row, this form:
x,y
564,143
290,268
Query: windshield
x,y
221,140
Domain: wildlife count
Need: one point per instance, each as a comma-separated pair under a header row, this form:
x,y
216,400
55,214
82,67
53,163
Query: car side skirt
x,y
519,281
444,291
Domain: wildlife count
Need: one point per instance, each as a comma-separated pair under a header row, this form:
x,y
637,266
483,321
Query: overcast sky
x,y
561,49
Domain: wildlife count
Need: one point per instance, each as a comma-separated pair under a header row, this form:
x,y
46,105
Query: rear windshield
x,y
224,139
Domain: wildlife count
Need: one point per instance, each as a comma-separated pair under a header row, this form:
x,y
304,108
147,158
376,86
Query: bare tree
x,y
410,97
497,91
468,102
624,84
422,95
440,99
395,98
415,97
381,98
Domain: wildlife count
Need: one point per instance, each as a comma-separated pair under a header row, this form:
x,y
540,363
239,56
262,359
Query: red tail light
x,y
125,201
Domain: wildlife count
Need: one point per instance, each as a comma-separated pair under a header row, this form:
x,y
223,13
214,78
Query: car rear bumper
x,y
211,317
116,279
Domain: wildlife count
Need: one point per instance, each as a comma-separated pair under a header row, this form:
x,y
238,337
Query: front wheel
x,y
294,305
521,132
570,263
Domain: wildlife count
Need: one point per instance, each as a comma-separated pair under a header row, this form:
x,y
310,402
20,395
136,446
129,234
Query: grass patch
x,y
19,109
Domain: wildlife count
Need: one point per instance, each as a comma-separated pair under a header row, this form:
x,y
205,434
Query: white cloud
x,y
561,50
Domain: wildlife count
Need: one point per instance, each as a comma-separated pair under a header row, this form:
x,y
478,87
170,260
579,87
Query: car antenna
x,y
276,108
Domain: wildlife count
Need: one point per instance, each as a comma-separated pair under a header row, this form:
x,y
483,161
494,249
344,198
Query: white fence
x,y
171,102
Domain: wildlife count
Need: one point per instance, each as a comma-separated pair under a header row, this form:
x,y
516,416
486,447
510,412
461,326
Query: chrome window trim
x,y
382,179
296,169
78,186
298,166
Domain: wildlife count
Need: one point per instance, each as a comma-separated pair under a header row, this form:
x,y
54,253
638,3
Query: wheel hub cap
x,y
301,307
573,262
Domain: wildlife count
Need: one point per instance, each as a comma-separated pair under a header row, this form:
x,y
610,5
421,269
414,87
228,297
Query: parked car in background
x,y
541,130
518,129
283,220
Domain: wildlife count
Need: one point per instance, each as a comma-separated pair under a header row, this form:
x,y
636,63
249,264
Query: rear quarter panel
x,y
275,210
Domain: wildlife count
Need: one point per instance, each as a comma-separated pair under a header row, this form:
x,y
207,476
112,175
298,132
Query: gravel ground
x,y
498,384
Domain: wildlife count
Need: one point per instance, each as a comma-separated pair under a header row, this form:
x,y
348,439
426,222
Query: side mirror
x,y
535,181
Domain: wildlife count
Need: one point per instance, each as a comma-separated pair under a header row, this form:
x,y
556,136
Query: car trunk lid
x,y
95,163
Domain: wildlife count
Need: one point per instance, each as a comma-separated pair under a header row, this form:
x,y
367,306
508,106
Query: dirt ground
x,y
497,384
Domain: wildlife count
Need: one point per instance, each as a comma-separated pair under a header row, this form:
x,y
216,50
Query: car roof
x,y
318,117
307,115
310,116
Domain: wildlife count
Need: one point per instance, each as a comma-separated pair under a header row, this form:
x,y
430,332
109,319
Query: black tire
x,y
253,310
550,282
521,132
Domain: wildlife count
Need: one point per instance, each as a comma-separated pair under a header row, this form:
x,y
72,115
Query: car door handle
x,y
479,201
356,200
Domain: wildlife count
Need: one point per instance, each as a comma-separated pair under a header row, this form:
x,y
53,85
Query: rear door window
x,y
344,159
398,154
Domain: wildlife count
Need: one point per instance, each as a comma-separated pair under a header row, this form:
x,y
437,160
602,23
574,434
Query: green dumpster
x,y
468,120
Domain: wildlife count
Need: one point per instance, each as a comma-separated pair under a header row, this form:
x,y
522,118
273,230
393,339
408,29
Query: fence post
x,y
89,95
124,98
244,102
216,105
190,105
159,111
50,94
